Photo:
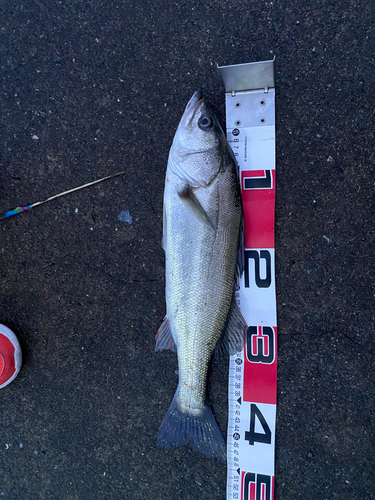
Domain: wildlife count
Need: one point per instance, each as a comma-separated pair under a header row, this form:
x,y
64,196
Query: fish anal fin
x,y
164,338
187,195
233,336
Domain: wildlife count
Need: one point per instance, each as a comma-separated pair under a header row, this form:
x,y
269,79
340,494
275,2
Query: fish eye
x,y
205,122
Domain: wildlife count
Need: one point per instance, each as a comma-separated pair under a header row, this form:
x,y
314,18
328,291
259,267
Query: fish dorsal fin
x,y
233,336
240,264
187,195
164,338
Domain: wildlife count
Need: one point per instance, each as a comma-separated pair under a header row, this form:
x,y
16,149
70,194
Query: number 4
x,y
259,437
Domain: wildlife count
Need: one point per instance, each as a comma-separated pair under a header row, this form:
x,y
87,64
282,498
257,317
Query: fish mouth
x,y
192,105
197,97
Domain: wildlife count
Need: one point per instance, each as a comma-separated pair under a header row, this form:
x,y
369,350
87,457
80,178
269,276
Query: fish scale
x,y
203,317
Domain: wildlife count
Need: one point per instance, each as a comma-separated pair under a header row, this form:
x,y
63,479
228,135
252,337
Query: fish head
x,y
196,155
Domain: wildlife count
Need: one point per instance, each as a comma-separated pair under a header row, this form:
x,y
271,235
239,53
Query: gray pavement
x,y
91,88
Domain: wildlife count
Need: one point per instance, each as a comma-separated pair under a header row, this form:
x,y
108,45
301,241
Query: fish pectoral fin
x,y
164,338
187,195
233,336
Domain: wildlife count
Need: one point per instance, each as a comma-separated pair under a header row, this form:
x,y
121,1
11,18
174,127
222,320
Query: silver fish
x,y
201,234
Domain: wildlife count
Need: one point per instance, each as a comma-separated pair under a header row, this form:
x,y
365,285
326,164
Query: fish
x,y
203,244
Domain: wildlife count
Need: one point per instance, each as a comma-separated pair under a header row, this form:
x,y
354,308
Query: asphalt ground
x,y
91,88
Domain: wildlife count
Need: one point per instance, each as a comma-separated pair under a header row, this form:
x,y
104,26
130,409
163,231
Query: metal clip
x,y
233,93
266,90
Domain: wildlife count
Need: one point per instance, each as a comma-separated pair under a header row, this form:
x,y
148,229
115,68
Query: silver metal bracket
x,y
250,113
248,76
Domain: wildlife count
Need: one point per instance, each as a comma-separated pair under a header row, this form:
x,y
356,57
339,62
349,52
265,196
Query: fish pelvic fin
x,y
164,239
164,338
202,432
187,195
232,338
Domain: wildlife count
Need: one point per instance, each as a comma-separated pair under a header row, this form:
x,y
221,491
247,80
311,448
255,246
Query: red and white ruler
x,y
250,116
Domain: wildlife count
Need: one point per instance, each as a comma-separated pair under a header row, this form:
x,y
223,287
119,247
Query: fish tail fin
x,y
202,432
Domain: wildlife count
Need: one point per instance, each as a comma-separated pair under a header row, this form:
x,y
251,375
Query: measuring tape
x,y
250,116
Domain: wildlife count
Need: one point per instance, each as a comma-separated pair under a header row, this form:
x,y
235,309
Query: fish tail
x,y
202,432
